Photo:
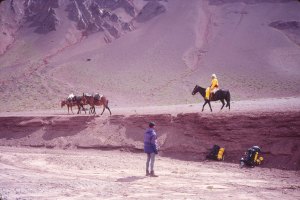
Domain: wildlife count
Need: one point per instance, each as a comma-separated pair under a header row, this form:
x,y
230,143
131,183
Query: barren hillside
x,y
141,53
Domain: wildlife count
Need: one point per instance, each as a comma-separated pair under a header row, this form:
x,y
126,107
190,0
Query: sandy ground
x,y
90,174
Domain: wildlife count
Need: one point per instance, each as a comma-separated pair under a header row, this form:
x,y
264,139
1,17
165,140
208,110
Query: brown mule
x,y
96,100
76,101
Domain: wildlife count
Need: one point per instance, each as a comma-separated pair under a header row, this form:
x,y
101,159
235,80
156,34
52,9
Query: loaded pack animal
x,y
220,95
96,100
74,101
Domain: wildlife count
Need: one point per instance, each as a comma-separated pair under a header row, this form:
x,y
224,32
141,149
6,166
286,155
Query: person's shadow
x,y
130,178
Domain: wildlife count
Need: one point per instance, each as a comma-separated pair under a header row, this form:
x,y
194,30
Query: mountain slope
x,y
148,52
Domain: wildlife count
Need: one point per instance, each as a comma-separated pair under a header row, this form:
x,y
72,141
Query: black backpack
x,y
251,154
213,154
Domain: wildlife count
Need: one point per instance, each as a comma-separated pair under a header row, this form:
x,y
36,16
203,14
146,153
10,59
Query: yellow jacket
x,y
214,84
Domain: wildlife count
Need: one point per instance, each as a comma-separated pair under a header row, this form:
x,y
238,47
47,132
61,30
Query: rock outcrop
x,y
289,28
41,14
90,16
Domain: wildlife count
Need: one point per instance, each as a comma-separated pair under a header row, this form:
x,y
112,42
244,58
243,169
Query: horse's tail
x,y
228,100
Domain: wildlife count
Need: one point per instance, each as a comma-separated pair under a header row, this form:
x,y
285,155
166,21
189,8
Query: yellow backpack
x,y
221,154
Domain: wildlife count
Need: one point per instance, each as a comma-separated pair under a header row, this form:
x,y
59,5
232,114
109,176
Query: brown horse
x,y
69,104
76,101
96,100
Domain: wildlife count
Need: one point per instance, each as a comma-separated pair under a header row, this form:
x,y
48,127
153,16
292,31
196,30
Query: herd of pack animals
x,y
100,100
86,99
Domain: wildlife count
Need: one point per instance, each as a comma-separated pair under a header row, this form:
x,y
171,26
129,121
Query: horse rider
x,y
213,87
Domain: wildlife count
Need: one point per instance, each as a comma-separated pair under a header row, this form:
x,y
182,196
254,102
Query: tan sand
x,y
90,174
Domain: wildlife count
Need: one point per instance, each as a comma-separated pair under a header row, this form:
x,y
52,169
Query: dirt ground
x,y
28,173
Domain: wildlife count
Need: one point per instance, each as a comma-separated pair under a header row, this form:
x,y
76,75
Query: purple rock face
x,y
93,16
150,10
289,28
89,15
293,25
113,17
41,14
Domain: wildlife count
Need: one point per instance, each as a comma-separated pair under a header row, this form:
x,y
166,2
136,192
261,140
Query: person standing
x,y
150,148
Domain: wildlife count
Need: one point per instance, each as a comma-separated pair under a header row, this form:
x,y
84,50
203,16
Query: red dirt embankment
x,y
185,136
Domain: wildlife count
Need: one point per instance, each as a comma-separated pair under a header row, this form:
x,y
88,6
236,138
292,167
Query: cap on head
x,y
151,124
213,76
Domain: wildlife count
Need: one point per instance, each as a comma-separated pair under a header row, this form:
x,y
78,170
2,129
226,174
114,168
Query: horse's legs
x,y
108,109
83,109
209,106
78,106
204,105
228,100
103,109
69,109
223,103
92,110
228,104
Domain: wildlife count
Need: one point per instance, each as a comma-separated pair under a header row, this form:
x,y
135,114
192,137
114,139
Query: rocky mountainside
x,y
114,17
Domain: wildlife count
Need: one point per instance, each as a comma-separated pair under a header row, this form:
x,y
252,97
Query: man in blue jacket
x,y
150,148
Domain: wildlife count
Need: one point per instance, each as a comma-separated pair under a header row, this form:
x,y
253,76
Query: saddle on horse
x,y
209,94
97,97
71,97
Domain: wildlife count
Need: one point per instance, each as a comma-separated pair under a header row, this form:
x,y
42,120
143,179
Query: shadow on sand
x,y
130,178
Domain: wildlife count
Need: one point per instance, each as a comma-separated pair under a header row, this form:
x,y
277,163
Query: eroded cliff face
x,y
185,136
113,17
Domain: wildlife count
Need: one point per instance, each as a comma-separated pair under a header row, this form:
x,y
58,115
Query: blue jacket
x,y
150,141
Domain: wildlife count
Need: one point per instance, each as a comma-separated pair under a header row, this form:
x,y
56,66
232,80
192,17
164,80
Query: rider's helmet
x,y
213,76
